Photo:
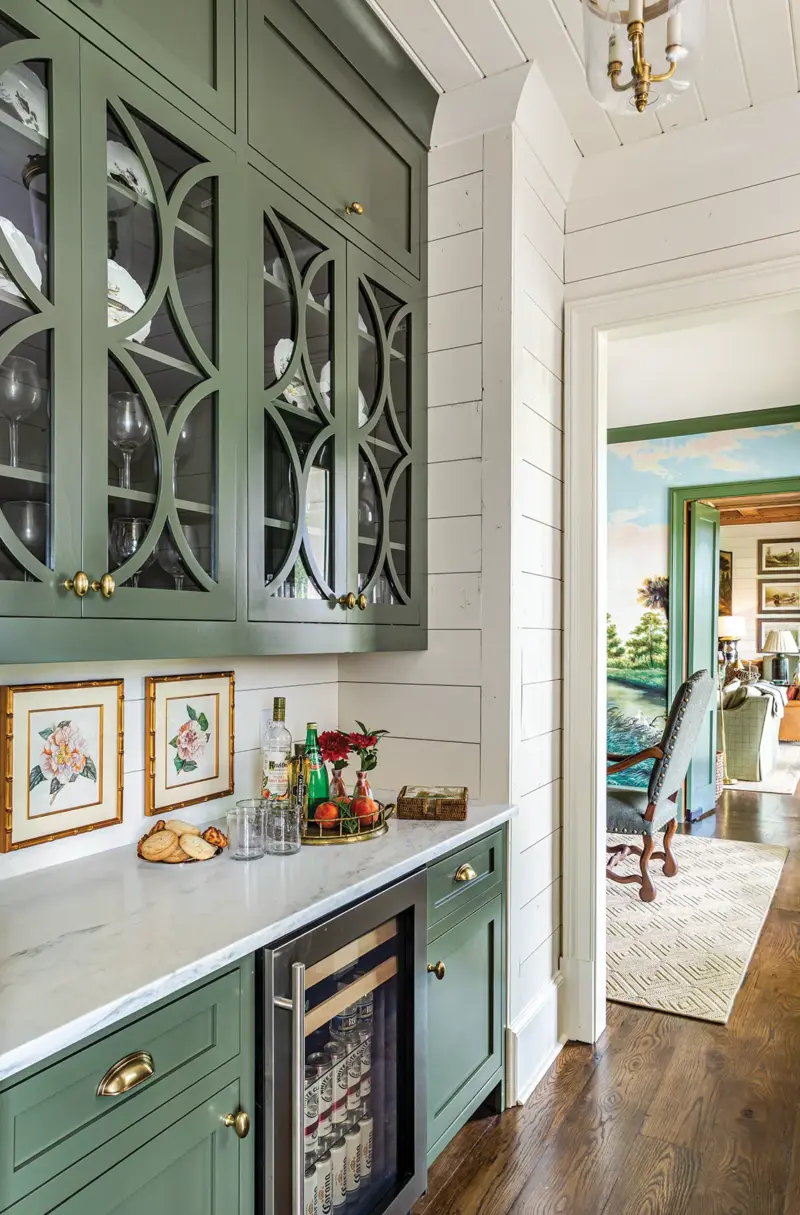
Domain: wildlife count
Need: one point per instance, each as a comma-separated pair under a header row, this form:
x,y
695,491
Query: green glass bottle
x,y
318,788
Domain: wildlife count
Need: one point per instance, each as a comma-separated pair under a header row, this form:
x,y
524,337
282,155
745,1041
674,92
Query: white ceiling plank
x,y
765,37
633,127
682,111
721,81
431,37
485,34
571,13
542,35
794,12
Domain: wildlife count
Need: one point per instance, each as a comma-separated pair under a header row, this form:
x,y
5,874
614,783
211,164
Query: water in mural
x,y
640,476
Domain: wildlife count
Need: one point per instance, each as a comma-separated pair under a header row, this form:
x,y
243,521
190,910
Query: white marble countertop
x,y
89,942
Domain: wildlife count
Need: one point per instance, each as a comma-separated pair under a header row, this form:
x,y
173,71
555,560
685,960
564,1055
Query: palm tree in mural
x,y
654,594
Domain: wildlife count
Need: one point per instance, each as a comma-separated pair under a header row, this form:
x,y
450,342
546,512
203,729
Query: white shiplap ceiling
x,y
752,55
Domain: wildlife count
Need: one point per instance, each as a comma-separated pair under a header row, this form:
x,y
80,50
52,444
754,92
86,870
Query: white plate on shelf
x,y
22,89
25,256
295,392
325,390
125,166
125,299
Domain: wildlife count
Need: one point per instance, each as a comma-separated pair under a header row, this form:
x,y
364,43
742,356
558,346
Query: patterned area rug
x,y
688,952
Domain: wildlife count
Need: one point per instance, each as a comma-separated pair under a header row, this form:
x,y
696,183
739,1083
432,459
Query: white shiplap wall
x,y
308,683
742,542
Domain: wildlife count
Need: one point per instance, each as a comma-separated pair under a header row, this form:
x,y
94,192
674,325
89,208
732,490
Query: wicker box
x,y
433,802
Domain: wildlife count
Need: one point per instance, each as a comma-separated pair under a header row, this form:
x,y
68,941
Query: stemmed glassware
x,y
128,429
21,394
31,522
170,559
125,539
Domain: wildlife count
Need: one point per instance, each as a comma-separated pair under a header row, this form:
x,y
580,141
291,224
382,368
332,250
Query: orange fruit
x,y
366,810
327,815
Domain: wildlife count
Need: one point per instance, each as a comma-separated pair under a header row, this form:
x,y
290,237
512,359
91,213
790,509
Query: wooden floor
x,y
666,1116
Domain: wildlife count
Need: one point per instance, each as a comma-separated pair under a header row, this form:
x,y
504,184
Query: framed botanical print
x,y
189,739
779,556
61,756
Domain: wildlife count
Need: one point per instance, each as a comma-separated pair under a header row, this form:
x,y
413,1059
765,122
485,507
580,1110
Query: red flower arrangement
x,y
366,743
335,748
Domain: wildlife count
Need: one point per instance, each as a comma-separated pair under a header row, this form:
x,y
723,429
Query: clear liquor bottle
x,y
276,753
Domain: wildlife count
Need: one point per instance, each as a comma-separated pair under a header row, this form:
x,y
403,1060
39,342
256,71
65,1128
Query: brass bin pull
x,y
354,208
79,584
348,601
465,873
439,969
240,1122
106,584
123,1076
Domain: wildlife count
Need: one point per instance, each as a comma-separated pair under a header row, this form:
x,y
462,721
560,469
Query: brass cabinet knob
x,y
79,584
439,969
354,208
240,1122
106,585
465,873
361,602
126,1074
348,601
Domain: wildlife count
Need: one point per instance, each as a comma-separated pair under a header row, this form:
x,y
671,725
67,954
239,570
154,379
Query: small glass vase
x,y
337,785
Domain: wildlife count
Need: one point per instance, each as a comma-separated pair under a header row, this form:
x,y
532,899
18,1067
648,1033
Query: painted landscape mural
x,y
640,476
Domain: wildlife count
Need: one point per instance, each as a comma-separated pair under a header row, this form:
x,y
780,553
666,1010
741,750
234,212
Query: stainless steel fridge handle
x,y
297,1007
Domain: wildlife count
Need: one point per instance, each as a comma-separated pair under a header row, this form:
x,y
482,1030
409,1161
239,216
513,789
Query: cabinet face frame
x,y
53,310
102,85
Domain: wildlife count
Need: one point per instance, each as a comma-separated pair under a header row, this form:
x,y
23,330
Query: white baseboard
x,y
533,1041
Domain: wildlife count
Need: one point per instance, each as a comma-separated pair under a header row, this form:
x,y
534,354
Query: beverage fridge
x,y
341,1061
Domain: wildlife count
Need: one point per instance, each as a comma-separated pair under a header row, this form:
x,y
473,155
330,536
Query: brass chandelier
x,y
620,75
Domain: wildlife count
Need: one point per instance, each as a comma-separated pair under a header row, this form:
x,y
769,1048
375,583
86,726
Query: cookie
x,y
214,836
159,826
197,848
180,828
176,857
156,847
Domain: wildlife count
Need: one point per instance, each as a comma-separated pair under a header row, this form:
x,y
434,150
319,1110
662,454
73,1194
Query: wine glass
x,y
170,559
128,429
20,396
31,522
125,539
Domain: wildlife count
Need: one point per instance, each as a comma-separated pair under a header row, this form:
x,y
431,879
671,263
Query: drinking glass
x,y
21,395
283,828
128,429
170,559
31,522
246,830
125,539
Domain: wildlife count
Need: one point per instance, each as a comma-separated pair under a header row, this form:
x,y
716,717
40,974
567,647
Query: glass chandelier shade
x,y
640,55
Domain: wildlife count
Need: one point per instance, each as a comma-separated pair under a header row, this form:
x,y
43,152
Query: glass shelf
x,y
147,352
140,200
31,475
370,341
142,497
382,443
395,544
19,128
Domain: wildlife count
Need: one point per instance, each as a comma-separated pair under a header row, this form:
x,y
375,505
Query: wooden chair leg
x,y
670,864
647,891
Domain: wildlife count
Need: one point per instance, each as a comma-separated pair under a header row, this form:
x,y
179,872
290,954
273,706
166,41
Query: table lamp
x,y
780,642
730,630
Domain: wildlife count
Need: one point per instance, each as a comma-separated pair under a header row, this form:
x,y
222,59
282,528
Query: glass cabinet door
x,y
298,414
40,452
164,376
388,448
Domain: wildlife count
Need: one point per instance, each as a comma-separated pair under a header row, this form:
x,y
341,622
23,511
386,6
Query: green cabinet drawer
x,y
55,1118
316,119
464,879
465,1019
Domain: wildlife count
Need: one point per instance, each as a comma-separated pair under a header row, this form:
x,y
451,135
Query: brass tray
x,y
316,834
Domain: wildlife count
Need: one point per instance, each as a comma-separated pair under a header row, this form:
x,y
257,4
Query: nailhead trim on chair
x,y
671,744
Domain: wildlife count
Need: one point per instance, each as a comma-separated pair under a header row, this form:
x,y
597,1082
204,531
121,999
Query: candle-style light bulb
x,y
615,48
635,11
675,48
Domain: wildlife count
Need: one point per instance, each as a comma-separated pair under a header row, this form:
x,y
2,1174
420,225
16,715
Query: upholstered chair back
x,y
679,740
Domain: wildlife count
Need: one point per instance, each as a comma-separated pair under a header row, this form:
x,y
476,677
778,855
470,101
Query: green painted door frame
x,y
701,649
680,498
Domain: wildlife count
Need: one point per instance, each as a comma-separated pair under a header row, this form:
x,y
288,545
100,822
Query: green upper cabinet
x,y
191,43
387,515
164,384
298,411
40,446
314,117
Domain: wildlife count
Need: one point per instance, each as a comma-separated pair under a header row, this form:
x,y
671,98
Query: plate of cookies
x,y
173,842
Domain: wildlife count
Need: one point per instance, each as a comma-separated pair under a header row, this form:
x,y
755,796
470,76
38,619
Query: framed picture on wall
x,y
781,597
766,626
725,584
779,556
61,747
188,727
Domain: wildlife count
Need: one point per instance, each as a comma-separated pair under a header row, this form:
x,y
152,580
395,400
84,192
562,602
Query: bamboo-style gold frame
x,y
7,759
150,685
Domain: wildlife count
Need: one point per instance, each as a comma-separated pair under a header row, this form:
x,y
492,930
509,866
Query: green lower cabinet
x,y
465,1020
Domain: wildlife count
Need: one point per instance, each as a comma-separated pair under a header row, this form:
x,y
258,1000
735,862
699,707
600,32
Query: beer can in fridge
x,y
366,1063
311,1108
325,1183
322,1061
310,1203
339,1172
352,1143
354,1075
339,1069
366,1125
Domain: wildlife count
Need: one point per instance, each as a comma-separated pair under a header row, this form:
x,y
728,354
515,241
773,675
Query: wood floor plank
x,y
664,1116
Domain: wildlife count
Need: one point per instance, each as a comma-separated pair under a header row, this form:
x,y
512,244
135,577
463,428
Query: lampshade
x,y
731,628
780,641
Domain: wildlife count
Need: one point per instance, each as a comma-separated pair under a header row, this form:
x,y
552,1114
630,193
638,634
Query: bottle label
x,y
275,784
354,1078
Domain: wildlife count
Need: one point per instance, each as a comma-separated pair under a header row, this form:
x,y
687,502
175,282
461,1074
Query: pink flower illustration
x,y
190,740
64,753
